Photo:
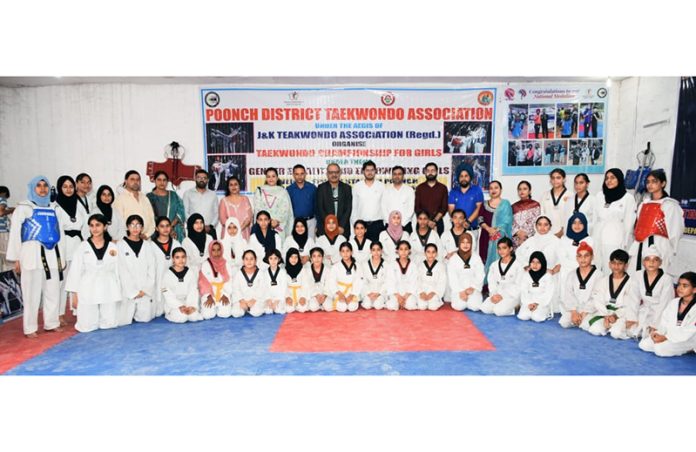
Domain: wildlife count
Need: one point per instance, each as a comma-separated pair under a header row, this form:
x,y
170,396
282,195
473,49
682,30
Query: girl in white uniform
x,y
297,296
360,243
577,308
196,242
375,279
450,239
180,291
93,280
465,274
233,244
553,202
537,290
215,284
653,290
676,332
547,243
582,201
162,245
277,283
402,280
660,223
38,258
138,274
331,241
392,236
616,215
576,233
614,301
115,223
503,281
299,239
264,238
345,282
319,292
423,236
73,221
249,288
432,279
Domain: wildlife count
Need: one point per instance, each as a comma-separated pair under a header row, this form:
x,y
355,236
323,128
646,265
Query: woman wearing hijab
x,y
576,232
37,253
115,223
297,296
465,274
215,283
264,239
616,215
271,197
537,290
233,244
330,242
390,237
300,240
196,242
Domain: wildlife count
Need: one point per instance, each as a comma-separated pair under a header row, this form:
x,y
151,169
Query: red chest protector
x,y
651,222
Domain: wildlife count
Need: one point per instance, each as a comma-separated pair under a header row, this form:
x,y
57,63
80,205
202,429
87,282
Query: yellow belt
x,y
346,289
294,294
218,290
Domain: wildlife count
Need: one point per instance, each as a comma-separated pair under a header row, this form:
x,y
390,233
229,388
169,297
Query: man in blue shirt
x,y
303,196
467,197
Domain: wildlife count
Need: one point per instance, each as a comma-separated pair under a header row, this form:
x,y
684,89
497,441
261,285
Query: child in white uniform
x,y
234,244
277,280
180,291
196,242
360,243
115,223
402,280
653,290
162,245
503,281
392,236
548,244
553,202
582,201
432,279
576,233
297,295
249,288
93,280
215,284
264,238
345,282
319,292
423,236
450,239
375,279
138,275
577,308
537,290
465,274
675,334
300,240
330,242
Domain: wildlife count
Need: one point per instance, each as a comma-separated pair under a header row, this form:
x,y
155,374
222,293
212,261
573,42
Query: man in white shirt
x,y
202,201
367,202
401,197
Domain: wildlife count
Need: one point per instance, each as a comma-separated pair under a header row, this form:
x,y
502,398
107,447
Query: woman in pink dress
x,y
524,214
236,205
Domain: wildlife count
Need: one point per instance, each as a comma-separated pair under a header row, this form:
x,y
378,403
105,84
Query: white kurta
x,y
418,250
361,255
556,213
613,227
374,284
461,278
320,287
575,297
400,283
97,285
162,263
220,288
297,289
651,307
389,245
137,273
681,336
180,293
434,281
541,295
332,252
194,257
349,282
674,221
625,307
588,208
241,290
275,294
507,286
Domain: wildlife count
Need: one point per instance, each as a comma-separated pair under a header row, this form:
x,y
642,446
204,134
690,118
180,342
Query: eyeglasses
x,y
135,225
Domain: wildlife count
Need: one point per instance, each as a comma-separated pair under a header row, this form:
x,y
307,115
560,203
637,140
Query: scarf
x,y
301,239
331,235
614,194
465,256
41,201
198,238
293,270
576,237
395,232
268,242
234,245
105,209
68,203
219,267
538,274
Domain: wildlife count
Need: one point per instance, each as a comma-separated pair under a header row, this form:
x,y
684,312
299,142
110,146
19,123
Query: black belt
x,y
373,221
47,270
74,233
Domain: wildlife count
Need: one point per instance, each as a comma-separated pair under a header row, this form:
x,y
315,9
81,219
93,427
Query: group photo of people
x,y
116,255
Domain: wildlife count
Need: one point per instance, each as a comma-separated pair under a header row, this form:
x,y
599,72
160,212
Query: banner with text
x,y
247,130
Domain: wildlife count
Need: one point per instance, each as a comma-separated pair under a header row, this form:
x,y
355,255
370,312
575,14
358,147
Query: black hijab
x,y
68,203
293,270
198,238
537,275
301,239
268,242
105,209
614,194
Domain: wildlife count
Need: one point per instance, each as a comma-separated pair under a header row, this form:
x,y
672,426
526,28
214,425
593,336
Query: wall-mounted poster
x,y
247,130
555,127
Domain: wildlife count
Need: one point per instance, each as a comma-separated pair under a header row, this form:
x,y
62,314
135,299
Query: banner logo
x,y
212,99
509,94
388,99
485,97
602,93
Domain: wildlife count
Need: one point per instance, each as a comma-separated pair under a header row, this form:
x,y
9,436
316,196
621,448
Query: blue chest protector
x,y
42,227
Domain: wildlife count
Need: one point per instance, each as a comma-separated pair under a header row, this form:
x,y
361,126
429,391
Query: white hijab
x,y
235,242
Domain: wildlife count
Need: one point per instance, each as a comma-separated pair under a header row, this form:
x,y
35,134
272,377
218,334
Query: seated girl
x,y
296,297
319,292
215,284
300,240
537,288
277,283
180,291
503,281
432,280
402,280
375,279
361,244
465,273
345,282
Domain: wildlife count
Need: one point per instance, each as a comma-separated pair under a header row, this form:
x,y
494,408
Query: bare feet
x,y
31,336
54,330
62,321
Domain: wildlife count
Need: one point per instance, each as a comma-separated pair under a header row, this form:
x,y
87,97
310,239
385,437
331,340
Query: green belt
x,y
610,307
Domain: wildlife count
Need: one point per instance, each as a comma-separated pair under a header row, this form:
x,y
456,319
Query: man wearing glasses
x,y
334,197
202,201
132,202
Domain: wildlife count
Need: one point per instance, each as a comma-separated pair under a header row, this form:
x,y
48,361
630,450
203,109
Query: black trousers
x,y
373,230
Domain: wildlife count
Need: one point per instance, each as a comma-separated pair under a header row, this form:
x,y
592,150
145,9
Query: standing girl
x,y
162,245
582,201
138,274
553,202
115,223
233,244
360,243
263,238
300,240
423,236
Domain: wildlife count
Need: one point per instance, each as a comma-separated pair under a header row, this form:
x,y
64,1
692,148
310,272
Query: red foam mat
x,y
379,331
